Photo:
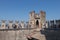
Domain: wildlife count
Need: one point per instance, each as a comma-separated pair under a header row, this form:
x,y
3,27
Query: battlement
x,y
35,21
4,24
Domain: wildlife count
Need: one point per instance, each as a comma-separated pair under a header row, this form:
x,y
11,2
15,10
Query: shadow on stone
x,y
51,34
32,38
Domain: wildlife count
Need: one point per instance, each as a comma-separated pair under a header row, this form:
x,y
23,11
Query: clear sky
x,y
19,9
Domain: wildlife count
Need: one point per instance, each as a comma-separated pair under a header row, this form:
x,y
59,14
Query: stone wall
x,y
13,35
20,34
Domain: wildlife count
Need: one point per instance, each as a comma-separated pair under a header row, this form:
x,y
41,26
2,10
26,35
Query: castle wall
x,y
12,35
18,34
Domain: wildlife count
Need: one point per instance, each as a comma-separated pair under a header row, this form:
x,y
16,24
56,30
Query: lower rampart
x,y
20,34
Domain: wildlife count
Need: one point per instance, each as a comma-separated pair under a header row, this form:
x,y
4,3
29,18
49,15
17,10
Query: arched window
x,y
37,22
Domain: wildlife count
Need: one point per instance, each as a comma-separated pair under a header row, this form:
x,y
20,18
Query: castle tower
x,y
37,20
42,18
3,25
10,24
31,19
32,13
34,19
17,23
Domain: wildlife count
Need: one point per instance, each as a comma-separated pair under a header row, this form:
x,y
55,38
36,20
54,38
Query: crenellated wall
x,y
11,24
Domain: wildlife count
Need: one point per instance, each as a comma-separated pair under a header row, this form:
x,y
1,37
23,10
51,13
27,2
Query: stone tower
x,y
43,18
37,20
31,19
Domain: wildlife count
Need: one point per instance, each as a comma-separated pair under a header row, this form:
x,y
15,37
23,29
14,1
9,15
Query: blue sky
x,y
19,9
